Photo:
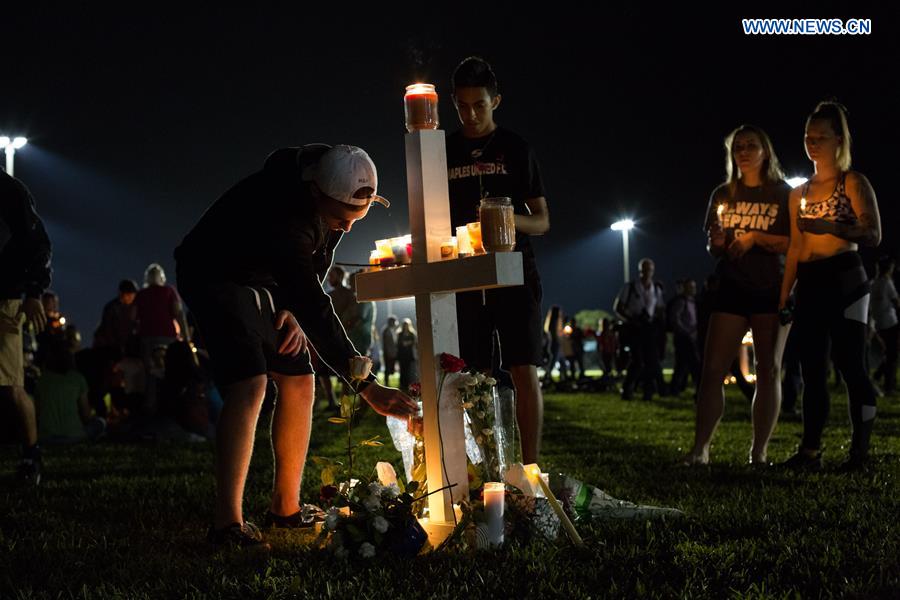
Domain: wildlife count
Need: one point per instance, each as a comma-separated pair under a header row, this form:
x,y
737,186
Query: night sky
x,y
137,121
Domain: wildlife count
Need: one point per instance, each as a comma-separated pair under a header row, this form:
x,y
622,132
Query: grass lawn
x,y
115,520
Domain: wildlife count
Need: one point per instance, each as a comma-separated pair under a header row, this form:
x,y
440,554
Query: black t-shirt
x,y
497,165
265,232
763,208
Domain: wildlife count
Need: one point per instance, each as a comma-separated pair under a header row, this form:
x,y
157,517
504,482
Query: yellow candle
x,y
494,499
534,473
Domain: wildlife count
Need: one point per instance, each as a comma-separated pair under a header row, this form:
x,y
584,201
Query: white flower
x,y
367,550
479,377
488,432
331,518
469,380
342,553
491,381
391,491
372,503
360,367
380,524
375,488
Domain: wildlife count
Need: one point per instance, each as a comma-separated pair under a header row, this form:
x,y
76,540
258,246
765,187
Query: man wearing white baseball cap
x,y
251,272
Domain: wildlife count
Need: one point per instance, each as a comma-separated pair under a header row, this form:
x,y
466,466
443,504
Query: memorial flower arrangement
x,y
477,397
368,518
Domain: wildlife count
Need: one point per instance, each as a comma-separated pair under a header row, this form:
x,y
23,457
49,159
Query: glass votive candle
x,y
464,244
374,260
449,249
420,106
474,230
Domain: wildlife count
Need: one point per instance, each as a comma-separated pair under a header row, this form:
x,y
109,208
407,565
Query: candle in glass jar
x,y
421,107
498,225
449,249
494,498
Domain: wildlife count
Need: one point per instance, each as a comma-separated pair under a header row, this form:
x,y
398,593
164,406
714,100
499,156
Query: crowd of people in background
x,y
142,378
147,376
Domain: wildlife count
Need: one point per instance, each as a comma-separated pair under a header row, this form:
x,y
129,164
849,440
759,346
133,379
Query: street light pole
x,y
10,147
624,226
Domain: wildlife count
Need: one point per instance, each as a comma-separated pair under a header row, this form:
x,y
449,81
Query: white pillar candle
x,y
494,499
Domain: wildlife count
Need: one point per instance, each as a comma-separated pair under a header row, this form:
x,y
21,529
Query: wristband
x,y
365,383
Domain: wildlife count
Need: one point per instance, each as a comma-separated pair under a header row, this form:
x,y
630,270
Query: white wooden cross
x,y
434,284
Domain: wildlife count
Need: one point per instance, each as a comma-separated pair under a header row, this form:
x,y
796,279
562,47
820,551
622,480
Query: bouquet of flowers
x,y
369,518
477,395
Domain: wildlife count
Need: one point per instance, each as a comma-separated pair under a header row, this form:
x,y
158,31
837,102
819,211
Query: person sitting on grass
x,y
61,396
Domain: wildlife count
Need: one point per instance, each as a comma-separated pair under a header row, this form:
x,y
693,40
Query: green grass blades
x,y
114,520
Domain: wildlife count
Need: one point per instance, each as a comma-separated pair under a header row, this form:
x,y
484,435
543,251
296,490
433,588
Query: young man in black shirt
x,y
251,271
486,160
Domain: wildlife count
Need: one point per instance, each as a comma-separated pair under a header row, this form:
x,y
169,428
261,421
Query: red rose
x,y
451,364
415,390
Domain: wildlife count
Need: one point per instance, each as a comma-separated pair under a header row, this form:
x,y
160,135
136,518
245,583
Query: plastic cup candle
x,y
494,498
475,237
421,107
463,241
384,248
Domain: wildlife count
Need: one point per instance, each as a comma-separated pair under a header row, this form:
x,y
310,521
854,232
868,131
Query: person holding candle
x,y
839,212
487,160
251,271
747,228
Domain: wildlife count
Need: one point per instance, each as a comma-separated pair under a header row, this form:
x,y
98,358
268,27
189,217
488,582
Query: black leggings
x,y
832,304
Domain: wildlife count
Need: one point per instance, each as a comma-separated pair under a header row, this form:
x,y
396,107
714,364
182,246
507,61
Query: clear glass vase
x,y
506,430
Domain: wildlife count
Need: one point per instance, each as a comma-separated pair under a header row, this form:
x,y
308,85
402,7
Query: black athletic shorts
x,y
515,313
739,300
237,324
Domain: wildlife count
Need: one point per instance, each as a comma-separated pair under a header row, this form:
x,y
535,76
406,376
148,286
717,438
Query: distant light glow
x,y
624,225
15,143
796,181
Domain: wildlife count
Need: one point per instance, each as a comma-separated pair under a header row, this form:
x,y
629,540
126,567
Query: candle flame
x,y
720,210
420,88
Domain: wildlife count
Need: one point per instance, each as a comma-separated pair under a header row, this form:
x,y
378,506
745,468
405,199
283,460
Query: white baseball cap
x,y
342,171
